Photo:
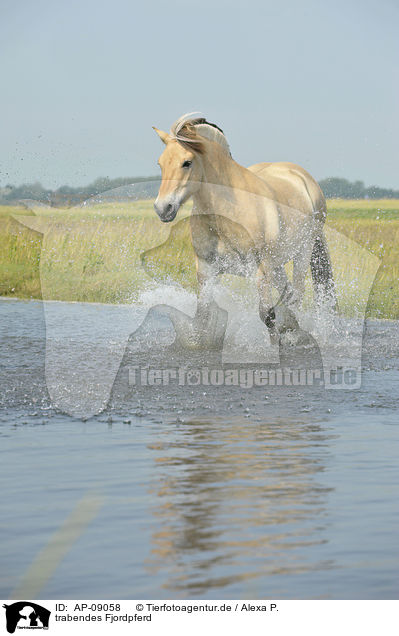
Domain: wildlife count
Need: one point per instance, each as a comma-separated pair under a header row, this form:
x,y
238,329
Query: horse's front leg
x,y
284,287
207,273
210,320
208,327
264,277
279,319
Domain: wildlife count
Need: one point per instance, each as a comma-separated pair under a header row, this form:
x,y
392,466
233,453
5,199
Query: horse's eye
x,y
186,164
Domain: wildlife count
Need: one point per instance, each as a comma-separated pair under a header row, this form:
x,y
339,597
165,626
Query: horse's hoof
x,y
286,320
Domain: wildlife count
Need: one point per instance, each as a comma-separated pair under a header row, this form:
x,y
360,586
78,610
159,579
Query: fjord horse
x,y
243,220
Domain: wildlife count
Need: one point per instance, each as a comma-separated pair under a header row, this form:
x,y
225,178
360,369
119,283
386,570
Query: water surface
x,y
197,492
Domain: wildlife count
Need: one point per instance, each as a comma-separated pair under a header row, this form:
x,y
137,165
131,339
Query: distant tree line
x,y
337,188
333,187
67,195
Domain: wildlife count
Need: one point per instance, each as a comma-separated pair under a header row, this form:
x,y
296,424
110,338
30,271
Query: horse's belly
x,y
294,237
232,262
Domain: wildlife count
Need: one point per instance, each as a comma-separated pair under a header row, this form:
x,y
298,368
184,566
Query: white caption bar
x,y
272,617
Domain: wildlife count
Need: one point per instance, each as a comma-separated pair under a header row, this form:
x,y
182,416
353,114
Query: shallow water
x,y
191,491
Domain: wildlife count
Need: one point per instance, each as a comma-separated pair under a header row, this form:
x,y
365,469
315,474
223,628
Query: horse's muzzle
x,y
167,211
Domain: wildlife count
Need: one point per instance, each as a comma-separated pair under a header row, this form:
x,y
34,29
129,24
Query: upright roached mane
x,y
188,131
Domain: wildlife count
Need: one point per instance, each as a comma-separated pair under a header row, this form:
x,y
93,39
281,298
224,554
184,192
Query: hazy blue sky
x,y
313,82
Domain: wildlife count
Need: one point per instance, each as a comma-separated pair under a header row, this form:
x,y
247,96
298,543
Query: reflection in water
x,y
237,501
295,496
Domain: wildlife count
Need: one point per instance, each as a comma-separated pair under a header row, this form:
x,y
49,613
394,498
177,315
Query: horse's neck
x,y
222,176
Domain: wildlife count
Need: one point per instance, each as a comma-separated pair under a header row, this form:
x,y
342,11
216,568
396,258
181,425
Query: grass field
x,y
93,253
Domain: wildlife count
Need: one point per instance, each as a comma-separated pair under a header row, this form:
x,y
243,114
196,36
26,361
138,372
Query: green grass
x,y
94,252
374,225
89,253
373,210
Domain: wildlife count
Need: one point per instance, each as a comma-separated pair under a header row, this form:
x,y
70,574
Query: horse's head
x,y
182,172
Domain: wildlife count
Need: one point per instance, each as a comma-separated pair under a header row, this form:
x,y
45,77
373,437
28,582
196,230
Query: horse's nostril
x,y
168,208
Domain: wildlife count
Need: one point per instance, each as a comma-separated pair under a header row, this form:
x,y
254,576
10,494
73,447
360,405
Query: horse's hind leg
x,y
301,264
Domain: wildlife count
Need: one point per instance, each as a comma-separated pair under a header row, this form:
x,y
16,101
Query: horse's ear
x,y
162,135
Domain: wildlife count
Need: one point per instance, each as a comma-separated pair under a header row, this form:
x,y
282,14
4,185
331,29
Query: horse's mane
x,y
188,131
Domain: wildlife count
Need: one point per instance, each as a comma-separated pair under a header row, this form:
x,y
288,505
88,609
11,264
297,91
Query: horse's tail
x,y
322,274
